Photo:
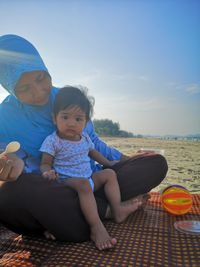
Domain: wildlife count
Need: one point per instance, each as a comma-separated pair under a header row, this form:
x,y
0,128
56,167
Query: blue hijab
x,y
27,124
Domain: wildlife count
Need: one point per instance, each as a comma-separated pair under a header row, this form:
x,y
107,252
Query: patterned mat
x,y
147,238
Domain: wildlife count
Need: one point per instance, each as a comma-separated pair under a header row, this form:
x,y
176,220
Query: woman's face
x,y
34,88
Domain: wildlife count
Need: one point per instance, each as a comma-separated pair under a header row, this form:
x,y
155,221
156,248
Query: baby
x,y
66,156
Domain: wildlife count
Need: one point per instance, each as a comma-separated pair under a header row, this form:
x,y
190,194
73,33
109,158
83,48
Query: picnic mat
x,y
147,238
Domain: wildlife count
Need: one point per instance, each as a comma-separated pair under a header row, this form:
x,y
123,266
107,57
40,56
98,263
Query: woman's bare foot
x,y
101,237
49,236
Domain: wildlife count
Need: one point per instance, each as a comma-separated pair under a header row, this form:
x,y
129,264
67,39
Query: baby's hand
x,y
51,175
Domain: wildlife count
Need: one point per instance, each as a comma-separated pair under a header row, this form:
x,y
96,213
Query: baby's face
x,y
70,123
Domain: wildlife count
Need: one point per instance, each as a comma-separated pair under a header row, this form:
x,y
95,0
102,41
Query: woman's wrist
x,y
124,157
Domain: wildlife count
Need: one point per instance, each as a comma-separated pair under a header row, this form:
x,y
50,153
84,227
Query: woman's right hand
x,y
10,168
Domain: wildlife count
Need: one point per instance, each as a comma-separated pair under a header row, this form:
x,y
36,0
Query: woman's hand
x,y
113,162
10,168
146,152
124,157
138,154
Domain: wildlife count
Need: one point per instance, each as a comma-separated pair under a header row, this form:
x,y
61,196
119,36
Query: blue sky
x,y
139,59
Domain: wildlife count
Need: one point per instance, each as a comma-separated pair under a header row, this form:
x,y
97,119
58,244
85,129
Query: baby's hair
x,y
70,96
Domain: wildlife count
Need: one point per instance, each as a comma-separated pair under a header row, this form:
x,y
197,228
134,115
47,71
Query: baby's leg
x,y
120,210
89,208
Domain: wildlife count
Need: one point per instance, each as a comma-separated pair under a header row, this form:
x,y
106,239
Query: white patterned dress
x,y
71,158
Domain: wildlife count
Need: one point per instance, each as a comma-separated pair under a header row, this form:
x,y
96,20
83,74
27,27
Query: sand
x,y
183,158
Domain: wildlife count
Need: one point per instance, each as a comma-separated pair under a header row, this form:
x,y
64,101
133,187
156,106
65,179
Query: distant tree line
x,y
107,127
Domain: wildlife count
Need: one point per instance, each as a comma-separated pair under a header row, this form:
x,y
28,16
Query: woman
x,y
30,204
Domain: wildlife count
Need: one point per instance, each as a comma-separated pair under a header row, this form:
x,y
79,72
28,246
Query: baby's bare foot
x,y
145,198
101,237
128,207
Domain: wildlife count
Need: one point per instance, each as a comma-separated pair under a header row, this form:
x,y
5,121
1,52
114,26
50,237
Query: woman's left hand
x,y
138,154
144,154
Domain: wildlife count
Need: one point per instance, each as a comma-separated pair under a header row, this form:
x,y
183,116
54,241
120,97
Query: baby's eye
x,y
79,119
65,117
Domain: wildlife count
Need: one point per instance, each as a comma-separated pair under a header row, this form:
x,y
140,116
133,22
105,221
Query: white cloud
x,y
102,74
143,78
142,105
193,88
90,77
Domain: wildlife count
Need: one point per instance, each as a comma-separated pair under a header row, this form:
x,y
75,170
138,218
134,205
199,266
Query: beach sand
x,y
183,158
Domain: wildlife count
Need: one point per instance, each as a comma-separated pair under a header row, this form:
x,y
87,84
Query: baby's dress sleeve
x,y
90,143
48,146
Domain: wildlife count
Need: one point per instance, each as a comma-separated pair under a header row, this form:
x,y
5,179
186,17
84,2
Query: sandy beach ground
x,y
183,159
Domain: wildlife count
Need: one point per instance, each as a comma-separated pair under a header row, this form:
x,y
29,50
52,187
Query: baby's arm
x,y
94,154
46,167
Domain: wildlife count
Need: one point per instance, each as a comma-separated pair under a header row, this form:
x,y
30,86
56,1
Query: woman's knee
x,y
80,234
161,165
158,168
74,229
